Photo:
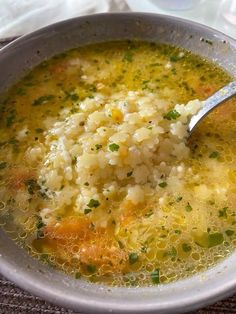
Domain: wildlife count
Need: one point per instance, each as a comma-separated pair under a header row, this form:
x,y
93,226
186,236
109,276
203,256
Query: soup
x,y
97,175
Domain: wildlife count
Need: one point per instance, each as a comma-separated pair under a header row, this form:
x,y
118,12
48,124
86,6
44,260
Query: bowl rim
x,y
25,281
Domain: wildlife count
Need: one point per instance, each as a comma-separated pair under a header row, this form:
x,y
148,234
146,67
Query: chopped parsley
x,y
155,276
91,268
74,110
149,214
133,258
215,239
77,275
162,184
71,96
214,154
74,97
87,211
3,165
39,223
11,118
128,56
98,146
92,88
179,199
20,91
172,115
39,130
208,240
42,100
172,253
223,212
93,203
188,208
32,186
178,231
174,58
13,141
114,147
186,247
229,233
129,174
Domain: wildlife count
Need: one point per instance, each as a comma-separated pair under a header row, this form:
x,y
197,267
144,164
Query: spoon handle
x,y
212,102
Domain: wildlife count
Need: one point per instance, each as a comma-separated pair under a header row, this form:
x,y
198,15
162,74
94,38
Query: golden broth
x,y
176,231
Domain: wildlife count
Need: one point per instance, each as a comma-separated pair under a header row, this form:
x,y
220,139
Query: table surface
x,y
14,300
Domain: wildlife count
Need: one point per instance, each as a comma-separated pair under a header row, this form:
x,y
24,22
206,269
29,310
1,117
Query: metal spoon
x,y
211,103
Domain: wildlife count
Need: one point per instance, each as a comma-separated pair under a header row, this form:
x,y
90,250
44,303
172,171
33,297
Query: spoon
x,y
211,103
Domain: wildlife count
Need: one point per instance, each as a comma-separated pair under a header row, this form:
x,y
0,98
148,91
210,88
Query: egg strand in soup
x,y
97,176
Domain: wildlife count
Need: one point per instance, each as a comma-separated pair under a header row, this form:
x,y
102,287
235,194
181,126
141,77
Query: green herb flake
x,y
129,174
74,110
32,186
39,222
10,120
172,115
214,154
87,211
114,147
98,146
149,214
92,88
93,203
174,58
77,275
223,212
188,208
46,259
42,100
178,231
155,276
215,239
186,247
229,233
178,199
71,96
3,165
91,268
13,141
172,253
133,258
74,97
162,185
39,130
155,64
128,56
20,91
